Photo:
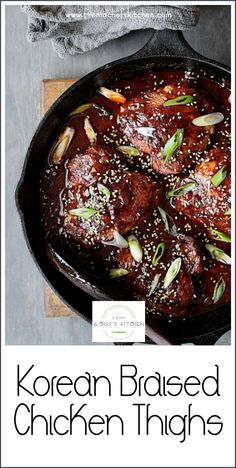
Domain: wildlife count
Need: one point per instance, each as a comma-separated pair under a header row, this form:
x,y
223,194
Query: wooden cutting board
x,y
51,90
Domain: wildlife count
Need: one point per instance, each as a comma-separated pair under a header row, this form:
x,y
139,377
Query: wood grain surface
x,y
51,90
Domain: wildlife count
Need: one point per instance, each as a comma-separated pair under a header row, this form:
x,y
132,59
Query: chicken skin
x,y
111,197
149,123
213,288
207,203
172,299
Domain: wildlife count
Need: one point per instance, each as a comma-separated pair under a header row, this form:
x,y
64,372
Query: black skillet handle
x,y
168,42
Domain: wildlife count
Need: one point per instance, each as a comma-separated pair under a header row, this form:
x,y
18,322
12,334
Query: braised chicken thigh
x,y
103,197
150,119
163,273
207,200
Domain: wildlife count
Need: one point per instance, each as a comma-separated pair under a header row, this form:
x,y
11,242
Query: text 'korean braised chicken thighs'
x,y
139,181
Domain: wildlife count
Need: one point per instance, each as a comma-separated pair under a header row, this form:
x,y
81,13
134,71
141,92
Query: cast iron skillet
x,y
166,50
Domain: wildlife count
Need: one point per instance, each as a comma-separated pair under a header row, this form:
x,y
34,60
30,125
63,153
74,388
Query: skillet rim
x,y
130,59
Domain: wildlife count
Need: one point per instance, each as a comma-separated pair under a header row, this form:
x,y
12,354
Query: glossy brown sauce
x,y
103,118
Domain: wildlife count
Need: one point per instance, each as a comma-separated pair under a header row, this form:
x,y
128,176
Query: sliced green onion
x,y
208,119
228,212
173,144
130,150
221,236
60,149
81,109
164,217
118,272
135,248
105,190
218,254
158,253
154,284
183,189
179,101
118,241
114,96
172,272
89,130
219,176
219,290
84,213
61,146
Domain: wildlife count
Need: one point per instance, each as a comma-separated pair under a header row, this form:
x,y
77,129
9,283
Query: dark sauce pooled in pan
x,y
170,266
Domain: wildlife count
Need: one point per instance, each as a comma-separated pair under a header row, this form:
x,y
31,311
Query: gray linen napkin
x,y
77,29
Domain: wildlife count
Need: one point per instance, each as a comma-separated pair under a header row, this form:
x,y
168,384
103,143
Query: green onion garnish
x,y
221,236
130,150
158,253
164,217
103,189
208,119
89,130
173,144
135,248
59,149
84,213
61,146
179,101
219,290
81,109
218,254
118,241
117,272
228,212
172,272
154,284
219,176
182,190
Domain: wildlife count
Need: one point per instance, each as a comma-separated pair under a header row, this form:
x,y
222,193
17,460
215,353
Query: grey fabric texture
x,y
78,29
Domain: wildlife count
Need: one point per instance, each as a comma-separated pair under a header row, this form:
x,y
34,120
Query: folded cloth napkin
x,y
77,29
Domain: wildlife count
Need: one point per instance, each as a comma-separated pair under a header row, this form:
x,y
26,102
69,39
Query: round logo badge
x,y
119,322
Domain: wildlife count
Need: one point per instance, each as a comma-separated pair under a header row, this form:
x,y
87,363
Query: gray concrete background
x,y
26,66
